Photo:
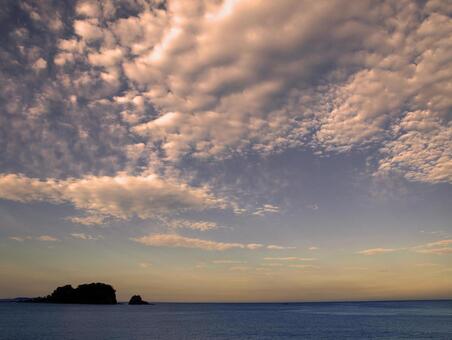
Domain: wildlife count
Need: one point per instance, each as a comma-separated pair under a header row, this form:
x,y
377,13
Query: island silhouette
x,y
96,293
89,293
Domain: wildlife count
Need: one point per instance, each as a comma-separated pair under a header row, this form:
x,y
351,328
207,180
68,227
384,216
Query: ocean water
x,y
350,320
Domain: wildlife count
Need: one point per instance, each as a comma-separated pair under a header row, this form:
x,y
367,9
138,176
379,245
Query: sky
x,y
227,150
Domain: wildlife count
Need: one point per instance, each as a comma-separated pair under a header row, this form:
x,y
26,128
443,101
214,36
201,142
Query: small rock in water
x,y
136,300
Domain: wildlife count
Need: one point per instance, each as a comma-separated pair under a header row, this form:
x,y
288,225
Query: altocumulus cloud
x,y
110,99
384,69
211,79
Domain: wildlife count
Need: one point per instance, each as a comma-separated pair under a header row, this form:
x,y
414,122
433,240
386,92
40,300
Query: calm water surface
x,y
357,320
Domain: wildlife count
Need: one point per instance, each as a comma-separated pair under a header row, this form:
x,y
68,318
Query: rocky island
x,y
92,293
136,300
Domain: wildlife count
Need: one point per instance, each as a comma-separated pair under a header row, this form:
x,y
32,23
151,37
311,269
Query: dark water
x,y
357,320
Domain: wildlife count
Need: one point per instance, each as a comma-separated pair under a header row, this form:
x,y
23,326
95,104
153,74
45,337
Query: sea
x,y
332,320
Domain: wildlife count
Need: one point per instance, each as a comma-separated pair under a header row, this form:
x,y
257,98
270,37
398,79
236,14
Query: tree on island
x,y
92,293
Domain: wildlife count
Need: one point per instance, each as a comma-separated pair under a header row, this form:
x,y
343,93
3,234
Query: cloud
x,y
16,238
47,238
23,189
83,236
88,30
214,97
421,150
276,247
175,240
221,100
290,258
121,196
227,262
440,247
439,243
312,206
88,9
433,232
273,264
40,64
106,57
145,265
436,251
313,248
376,251
87,220
202,80
195,225
266,209
239,268
303,266
428,265
254,246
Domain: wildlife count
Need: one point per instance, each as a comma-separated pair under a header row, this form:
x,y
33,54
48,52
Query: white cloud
x,y
145,265
47,238
376,251
16,238
239,268
214,87
121,196
174,240
213,79
213,96
274,264
40,64
83,236
289,258
88,8
276,247
106,57
266,209
88,30
303,266
432,232
428,265
441,247
440,243
436,251
24,189
422,149
190,224
227,262
254,246
87,220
